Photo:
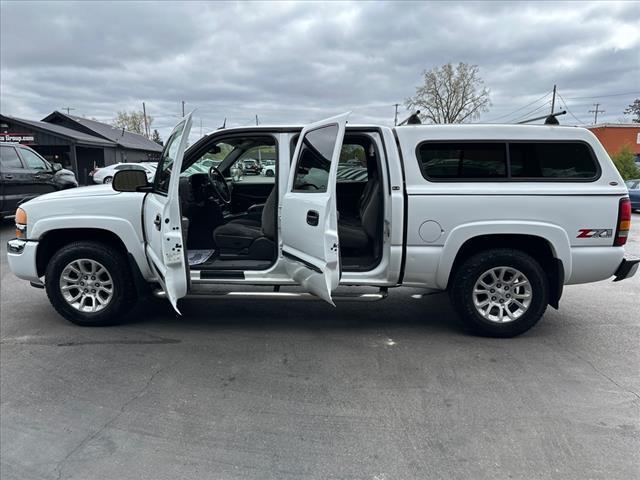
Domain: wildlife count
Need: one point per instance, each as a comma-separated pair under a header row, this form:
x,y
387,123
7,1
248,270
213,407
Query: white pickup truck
x,y
501,216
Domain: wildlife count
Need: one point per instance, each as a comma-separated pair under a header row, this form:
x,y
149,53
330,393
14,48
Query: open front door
x,y
165,247
309,219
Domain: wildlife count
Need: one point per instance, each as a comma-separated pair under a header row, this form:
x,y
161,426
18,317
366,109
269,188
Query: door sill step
x,y
338,297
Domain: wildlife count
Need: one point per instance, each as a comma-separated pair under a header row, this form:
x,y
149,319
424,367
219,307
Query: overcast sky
x,y
295,63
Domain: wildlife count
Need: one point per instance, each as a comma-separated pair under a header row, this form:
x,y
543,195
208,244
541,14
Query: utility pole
x,y
595,112
257,123
395,119
183,108
553,99
68,109
146,124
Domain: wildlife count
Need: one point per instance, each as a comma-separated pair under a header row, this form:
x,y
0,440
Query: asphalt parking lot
x,y
270,390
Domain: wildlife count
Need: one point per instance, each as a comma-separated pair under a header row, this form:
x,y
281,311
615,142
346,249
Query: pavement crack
x,y
601,373
60,466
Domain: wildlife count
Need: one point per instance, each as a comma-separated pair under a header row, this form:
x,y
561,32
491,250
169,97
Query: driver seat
x,y
249,238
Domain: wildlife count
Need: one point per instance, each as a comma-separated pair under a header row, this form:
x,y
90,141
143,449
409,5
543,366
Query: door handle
x,y
313,218
157,222
9,177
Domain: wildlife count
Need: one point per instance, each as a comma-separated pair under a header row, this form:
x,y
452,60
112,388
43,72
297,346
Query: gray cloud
x,y
298,62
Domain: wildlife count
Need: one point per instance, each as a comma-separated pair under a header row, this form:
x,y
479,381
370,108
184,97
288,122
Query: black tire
x,y
472,269
107,180
269,173
124,290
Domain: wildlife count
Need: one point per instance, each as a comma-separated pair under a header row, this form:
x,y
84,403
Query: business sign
x,y
17,137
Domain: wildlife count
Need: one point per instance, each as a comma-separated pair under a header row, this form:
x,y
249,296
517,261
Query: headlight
x,y
21,223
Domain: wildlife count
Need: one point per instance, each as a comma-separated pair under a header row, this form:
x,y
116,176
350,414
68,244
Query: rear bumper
x,y
21,256
627,269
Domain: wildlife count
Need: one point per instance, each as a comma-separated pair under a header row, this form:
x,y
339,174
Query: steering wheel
x,y
219,184
306,185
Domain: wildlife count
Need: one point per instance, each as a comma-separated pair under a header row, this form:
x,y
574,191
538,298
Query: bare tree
x,y
132,121
451,95
634,109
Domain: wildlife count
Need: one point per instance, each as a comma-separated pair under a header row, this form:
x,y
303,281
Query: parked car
x,y
634,193
500,216
269,169
106,174
24,174
250,167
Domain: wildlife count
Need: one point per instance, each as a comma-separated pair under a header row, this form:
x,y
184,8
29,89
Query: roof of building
x,y
109,132
54,129
615,125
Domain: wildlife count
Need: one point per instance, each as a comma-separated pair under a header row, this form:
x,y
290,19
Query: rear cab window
x,y
507,161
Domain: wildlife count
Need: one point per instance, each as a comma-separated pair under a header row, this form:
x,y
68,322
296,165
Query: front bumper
x,y
627,269
21,256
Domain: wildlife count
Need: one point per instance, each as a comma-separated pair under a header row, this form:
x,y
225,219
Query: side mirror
x,y
56,167
129,181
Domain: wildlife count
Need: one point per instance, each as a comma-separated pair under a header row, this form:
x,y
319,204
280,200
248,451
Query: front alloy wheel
x,y
90,283
86,285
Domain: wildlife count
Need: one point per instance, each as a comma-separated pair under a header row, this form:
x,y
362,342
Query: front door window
x,y
165,165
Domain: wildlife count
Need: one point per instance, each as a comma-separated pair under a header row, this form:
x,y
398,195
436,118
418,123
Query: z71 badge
x,y
595,233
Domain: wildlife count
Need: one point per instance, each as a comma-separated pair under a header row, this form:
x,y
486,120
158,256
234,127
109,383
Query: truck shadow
x,y
432,313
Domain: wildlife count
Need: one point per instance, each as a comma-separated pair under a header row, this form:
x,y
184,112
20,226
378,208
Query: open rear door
x,y
309,218
162,219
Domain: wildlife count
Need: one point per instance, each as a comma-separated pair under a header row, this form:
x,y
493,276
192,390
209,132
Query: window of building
x,y
460,161
9,159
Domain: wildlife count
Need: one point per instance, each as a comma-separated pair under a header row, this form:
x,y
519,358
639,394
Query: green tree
x,y
634,109
351,152
451,94
155,136
132,121
624,161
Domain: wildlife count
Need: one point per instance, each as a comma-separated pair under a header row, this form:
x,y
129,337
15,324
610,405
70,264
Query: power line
x,y
566,107
605,96
521,108
528,114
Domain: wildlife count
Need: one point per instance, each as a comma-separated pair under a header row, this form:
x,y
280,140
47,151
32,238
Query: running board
x,y
360,297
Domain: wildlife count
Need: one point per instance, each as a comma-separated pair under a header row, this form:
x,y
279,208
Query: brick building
x,y
614,136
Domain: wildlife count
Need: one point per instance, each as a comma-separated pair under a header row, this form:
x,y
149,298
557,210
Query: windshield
x,y
237,157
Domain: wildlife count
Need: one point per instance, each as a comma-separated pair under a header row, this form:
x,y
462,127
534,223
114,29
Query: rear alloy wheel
x,y
107,180
90,284
500,292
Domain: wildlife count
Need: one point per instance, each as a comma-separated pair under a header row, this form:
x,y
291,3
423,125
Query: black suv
x,y
24,174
